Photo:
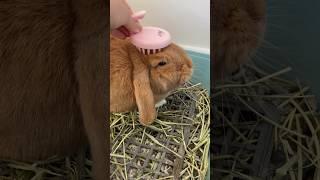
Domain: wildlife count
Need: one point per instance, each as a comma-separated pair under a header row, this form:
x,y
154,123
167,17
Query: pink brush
x,y
149,40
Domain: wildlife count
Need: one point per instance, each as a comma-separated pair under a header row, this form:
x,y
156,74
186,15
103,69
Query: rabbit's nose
x,y
179,67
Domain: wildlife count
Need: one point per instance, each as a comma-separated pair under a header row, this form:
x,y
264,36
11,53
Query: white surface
x,y
188,21
196,49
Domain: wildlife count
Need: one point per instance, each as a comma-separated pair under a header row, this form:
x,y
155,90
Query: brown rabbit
x,y
139,81
238,28
52,56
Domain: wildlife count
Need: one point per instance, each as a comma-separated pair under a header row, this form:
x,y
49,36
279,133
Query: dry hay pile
x,y
265,127
175,146
52,169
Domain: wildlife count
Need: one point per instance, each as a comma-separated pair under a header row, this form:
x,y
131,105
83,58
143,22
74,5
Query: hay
x,y
175,146
52,168
266,127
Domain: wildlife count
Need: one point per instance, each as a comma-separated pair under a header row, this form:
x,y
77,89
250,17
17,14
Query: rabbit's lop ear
x,y
144,98
142,88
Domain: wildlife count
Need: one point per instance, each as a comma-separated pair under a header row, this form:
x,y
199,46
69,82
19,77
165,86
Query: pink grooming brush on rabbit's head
x,y
150,39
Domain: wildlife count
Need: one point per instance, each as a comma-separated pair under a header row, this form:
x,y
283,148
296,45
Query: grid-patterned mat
x,y
158,151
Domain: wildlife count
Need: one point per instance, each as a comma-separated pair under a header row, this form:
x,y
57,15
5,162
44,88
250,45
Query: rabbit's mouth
x,y
184,79
183,82
182,85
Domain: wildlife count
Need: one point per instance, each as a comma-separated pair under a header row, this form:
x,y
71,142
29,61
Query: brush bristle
x,y
149,51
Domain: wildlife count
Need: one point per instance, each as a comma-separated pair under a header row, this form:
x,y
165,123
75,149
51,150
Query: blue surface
x,y
201,64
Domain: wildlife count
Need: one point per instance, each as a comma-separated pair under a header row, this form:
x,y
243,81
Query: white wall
x,y
188,21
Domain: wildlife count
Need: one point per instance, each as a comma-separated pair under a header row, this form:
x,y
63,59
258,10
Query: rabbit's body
x,y
51,80
140,81
39,110
120,74
238,30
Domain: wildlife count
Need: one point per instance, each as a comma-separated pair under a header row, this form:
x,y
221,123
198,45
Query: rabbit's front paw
x,y
161,103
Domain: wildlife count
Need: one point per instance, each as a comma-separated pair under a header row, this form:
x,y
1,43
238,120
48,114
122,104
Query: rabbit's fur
x,y
238,29
140,81
52,55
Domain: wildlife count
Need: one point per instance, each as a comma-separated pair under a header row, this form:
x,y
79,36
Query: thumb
x,y
133,26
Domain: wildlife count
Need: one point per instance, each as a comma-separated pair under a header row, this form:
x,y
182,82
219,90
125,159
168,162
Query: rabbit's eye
x,y
162,63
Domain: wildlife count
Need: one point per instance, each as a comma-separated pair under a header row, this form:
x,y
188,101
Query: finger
x,y
124,31
118,34
120,13
126,2
133,26
138,15
121,32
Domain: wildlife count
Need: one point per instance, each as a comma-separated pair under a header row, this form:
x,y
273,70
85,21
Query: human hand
x,y
121,21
